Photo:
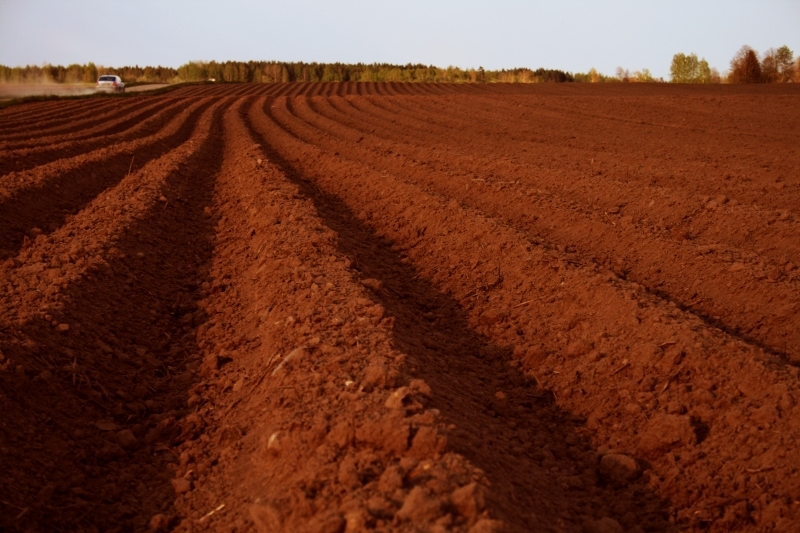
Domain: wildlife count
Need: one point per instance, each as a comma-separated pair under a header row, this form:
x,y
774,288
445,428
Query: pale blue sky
x,y
572,35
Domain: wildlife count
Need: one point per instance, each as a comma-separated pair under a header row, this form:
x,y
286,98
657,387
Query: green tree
x,y
643,76
90,73
690,69
682,68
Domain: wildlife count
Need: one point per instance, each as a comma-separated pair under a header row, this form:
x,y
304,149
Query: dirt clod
x,y
469,500
420,506
665,432
603,525
159,522
181,485
127,439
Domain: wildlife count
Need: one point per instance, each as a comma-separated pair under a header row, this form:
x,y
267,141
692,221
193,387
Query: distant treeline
x,y
775,66
279,71
87,73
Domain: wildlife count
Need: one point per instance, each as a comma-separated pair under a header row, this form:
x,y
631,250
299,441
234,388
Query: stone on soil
x,y
618,469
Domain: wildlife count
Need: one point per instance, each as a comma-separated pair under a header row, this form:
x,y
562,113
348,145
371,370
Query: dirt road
x,y
18,90
402,307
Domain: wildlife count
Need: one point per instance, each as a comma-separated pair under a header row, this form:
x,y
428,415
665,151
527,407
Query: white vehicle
x,y
109,82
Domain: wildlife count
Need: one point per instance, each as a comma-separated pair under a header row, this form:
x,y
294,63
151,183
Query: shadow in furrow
x,y
542,469
527,225
105,427
46,208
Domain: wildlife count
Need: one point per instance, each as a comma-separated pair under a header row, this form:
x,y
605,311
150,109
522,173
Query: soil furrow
x,y
308,397
36,202
468,373
48,111
548,218
35,108
72,250
62,147
108,127
591,331
281,90
732,300
29,112
74,123
688,205
399,307
111,388
185,92
698,157
709,226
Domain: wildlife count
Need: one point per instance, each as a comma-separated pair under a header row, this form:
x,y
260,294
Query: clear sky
x,y
572,35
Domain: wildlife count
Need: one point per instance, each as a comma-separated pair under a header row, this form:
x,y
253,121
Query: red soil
x,y
345,307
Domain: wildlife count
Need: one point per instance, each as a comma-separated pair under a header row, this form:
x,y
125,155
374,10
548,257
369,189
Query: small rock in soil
x,y
62,328
618,469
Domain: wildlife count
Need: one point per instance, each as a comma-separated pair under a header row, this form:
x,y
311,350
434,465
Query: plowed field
x,y
402,307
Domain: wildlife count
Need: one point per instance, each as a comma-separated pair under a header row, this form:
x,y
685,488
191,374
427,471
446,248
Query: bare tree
x,y
745,67
769,66
784,58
